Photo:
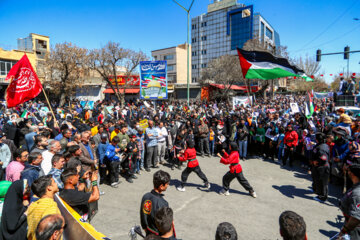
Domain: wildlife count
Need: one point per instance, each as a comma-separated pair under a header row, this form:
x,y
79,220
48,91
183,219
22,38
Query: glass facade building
x,y
226,26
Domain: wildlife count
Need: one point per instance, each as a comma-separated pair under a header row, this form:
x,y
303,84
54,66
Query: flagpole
x,y
47,100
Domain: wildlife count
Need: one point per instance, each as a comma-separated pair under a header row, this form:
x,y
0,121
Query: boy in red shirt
x,y
235,171
192,166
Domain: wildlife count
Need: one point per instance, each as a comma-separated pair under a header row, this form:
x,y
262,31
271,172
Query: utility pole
x,y
187,46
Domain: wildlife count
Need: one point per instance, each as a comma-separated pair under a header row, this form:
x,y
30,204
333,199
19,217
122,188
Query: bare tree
x,y
64,66
108,60
308,65
224,70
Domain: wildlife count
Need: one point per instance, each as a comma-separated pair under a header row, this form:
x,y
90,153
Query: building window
x,y
203,24
193,80
155,58
269,33
193,53
169,57
193,26
193,40
5,66
203,38
203,52
193,66
262,30
204,65
171,78
170,67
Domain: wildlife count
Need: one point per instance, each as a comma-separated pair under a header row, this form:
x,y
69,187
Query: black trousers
x,y
185,174
228,177
288,154
204,146
320,184
113,169
151,156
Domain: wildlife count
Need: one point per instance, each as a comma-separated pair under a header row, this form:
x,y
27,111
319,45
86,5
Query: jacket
x,y
190,156
85,158
110,154
150,204
233,160
322,154
31,173
291,139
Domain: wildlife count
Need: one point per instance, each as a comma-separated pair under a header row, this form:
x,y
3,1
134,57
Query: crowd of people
x,y
71,151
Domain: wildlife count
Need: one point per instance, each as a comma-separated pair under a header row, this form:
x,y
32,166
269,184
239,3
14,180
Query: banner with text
x,y
153,80
238,101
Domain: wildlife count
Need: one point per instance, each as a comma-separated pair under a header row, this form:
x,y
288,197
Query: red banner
x,y
24,83
132,80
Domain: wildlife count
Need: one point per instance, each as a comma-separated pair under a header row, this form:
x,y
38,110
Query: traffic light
x,y
318,55
346,52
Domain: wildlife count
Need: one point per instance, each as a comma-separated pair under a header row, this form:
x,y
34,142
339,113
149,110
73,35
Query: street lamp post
x,y
187,45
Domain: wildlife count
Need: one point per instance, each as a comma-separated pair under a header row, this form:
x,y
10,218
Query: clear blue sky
x,y
154,24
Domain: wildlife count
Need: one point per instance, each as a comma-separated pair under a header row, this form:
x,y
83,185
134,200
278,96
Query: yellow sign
x,y
220,5
144,124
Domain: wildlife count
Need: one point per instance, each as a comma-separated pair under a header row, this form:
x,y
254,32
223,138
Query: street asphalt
x,y
197,212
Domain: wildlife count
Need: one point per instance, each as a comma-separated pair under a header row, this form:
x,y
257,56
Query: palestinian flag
x,y
309,106
264,65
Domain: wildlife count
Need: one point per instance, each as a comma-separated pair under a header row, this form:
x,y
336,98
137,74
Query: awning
x,y
235,87
128,90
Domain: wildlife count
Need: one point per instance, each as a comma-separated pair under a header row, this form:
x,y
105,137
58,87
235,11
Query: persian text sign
x,y
153,81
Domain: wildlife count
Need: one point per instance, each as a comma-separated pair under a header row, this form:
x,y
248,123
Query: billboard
x,y
153,81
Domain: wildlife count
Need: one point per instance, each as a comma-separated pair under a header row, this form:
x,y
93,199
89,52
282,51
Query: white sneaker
x,y
208,186
253,194
181,189
224,192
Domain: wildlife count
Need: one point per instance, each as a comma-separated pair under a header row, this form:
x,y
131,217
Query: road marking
x,y
185,204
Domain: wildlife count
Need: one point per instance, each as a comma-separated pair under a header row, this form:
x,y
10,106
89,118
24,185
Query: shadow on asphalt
x,y
291,191
213,188
327,234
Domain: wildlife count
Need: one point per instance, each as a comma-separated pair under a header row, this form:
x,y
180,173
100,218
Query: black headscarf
x,y
13,220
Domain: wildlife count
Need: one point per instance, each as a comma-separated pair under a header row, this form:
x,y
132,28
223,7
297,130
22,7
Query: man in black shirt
x,y
153,201
78,200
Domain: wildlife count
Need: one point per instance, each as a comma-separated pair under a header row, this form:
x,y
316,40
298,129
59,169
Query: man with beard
x,y
41,144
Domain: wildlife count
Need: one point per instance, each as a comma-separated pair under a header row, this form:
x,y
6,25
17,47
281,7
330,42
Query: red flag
x,y
24,85
341,74
330,74
354,74
322,75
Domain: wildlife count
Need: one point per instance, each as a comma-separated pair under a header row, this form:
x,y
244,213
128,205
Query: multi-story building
x,y
34,46
36,43
226,26
176,58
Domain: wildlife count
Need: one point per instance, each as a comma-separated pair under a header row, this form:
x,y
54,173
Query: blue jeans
x,y
212,146
243,148
280,154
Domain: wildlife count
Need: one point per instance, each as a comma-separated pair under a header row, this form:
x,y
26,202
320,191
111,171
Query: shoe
x,y
138,172
207,155
179,167
156,166
114,184
101,193
162,162
180,189
172,167
129,180
142,168
133,177
318,199
207,185
147,169
253,194
224,192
